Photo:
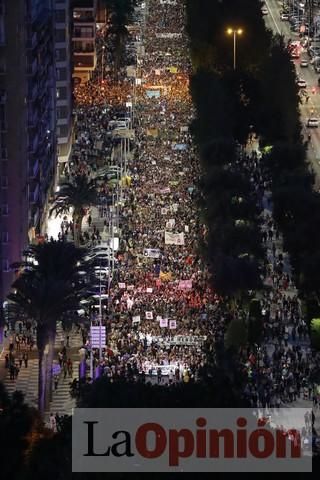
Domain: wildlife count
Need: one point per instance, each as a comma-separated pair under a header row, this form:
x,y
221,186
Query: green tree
x,y
315,333
20,427
237,334
77,195
47,288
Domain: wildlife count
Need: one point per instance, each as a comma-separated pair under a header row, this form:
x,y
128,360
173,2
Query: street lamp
x,y
102,61
234,32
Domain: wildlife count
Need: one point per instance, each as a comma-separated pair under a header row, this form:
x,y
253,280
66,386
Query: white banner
x,y
164,322
122,285
149,315
149,290
168,35
172,324
152,252
136,319
173,238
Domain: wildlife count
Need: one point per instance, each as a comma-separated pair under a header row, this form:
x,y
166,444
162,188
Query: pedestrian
x,y
53,423
55,381
68,338
25,359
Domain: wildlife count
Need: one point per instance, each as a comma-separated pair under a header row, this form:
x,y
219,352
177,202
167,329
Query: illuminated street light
x,y
235,32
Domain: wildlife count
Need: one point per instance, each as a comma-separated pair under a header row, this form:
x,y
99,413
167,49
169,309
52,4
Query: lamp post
x,y
234,32
102,62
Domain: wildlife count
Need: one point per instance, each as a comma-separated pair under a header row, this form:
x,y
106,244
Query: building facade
x,y
28,126
83,39
64,97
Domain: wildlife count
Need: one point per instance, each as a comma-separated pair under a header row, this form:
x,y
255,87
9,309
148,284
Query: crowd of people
x,y
161,308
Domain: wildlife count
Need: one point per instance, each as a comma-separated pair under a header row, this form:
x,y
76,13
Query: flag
x,y
173,238
173,70
165,276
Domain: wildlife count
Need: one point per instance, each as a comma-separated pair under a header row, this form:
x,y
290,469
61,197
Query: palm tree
x,y
47,288
77,195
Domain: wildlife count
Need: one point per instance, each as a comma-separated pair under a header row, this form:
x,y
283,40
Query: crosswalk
x,y
27,379
26,382
62,402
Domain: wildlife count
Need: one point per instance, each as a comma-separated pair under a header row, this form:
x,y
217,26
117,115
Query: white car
x,y
301,83
304,63
313,122
264,11
284,16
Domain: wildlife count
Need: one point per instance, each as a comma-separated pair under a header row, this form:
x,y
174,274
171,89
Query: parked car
x,y
304,63
264,10
313,122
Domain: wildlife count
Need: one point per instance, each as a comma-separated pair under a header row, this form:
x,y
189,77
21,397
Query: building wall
x,y
14,138
83,39
28,138
64,80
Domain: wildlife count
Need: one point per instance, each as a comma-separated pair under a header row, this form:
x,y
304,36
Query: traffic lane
x,y
313,155
272,19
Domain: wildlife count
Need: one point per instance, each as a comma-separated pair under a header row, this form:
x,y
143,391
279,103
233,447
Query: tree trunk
x,y
77,224
42,381
49,364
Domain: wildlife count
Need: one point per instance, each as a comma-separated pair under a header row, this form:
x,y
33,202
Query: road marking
x,y
274,20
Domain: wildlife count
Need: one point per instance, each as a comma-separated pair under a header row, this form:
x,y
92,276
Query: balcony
x,y
83,61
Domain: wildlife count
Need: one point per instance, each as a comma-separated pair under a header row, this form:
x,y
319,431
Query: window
x,y
60,35
60,16
5,265
5,209
61,55
4,181
62,93
61,74
64,131
4,237
62,112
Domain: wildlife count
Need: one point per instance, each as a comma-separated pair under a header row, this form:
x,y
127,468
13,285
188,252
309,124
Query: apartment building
x,y
63,54
27,124
83,39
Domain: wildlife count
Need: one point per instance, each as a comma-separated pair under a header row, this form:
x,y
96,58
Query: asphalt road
x,y
312,107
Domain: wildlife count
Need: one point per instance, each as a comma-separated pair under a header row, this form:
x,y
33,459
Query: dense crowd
x,y
162,308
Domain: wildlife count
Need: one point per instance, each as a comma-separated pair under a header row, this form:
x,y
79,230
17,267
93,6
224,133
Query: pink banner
x,y
185,285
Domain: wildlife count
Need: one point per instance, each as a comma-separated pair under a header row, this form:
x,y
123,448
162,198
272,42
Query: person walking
x,y
53,423
25,359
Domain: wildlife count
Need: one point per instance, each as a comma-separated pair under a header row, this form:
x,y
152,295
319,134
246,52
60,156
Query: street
x,y
312,107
